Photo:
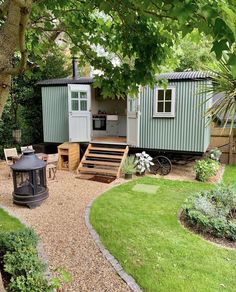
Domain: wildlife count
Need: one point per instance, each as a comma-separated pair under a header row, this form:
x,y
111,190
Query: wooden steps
x,y
103,159
98,170
116,157
104,163
107,149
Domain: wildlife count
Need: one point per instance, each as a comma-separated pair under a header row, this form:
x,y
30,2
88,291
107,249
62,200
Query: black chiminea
x,y
29,179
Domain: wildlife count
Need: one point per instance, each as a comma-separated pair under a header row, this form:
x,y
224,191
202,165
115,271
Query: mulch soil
x,y
103,179
224,242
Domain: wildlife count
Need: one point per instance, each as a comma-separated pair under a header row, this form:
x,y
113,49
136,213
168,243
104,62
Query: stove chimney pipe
x,y
75,67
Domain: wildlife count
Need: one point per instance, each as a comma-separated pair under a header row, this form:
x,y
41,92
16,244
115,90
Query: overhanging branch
x,y
22,42
4,7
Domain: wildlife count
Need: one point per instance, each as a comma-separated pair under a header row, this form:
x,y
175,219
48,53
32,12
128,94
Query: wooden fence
x,y
226,142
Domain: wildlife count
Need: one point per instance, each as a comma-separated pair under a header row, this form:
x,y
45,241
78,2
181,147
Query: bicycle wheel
x,y
162,165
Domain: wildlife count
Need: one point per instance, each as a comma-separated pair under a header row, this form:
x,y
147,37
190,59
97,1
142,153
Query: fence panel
x,y
226,142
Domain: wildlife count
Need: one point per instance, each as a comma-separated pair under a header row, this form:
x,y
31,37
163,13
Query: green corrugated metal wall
x,y
55,114
185,132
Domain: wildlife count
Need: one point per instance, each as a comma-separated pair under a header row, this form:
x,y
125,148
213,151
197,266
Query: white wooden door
x,y
79,104
133,119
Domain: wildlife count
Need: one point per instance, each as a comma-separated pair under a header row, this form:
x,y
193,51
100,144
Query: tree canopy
x,y
127,40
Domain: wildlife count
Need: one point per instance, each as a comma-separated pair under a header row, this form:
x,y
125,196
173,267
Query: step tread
x,y
104,156
97,170
107,149
105,163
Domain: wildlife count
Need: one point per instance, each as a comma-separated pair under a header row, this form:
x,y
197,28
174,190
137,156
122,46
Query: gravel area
x,y
59,221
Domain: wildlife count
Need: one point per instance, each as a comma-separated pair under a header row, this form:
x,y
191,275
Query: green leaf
x,y
219,47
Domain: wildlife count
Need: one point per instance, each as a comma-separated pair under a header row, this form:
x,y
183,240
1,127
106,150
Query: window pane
x,y
168,107
160,107
74,105
74,94
83,105
168,94
83,94
160,94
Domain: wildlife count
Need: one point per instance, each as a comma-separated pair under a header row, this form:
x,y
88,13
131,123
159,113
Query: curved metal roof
x,y
65,81
185,75
188,75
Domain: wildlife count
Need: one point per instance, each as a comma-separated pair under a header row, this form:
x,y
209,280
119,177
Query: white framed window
x,y
164,102
79,101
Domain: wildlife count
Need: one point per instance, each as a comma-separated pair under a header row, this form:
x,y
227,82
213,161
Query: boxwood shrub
x,y
205,169
19,255
213,211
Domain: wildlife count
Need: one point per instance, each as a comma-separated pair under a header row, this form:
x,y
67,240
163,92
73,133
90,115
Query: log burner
x,y
29,180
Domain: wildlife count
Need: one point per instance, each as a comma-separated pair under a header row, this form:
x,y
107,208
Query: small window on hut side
x,y
164,102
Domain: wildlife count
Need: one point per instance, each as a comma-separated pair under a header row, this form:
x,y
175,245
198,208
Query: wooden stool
x,y
52,169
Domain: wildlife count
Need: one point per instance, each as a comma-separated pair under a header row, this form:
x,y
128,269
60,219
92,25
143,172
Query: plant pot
x,y
140,173
128,175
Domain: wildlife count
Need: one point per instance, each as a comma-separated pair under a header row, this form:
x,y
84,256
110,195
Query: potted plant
x,y
215,154
128,167
143,162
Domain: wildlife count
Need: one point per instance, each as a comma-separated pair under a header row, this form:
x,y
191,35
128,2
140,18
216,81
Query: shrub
x,y
213,211
23,261
205,169
13,241
29,283
128,166
143,162
20,260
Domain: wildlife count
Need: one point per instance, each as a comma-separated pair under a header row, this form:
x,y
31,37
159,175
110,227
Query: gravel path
x,y
59,221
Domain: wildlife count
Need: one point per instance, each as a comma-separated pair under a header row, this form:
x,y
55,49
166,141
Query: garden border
x,y
39,246
129,280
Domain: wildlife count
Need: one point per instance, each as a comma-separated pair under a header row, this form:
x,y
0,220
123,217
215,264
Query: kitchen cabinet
x,y
117,127
122,126
112,128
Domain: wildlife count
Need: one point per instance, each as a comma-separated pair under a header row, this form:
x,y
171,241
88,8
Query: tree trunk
x,y
4,92
11,39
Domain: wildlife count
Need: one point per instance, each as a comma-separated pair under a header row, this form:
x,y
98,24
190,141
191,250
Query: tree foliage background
x,y
139,35
24,105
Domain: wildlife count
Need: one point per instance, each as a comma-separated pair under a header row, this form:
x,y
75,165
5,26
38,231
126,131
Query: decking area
x,y
110,139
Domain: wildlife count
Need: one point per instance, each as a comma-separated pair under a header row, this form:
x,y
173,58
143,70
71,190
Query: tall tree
x,y
23,109
126,40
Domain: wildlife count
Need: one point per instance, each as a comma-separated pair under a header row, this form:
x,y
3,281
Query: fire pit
x,y
29,180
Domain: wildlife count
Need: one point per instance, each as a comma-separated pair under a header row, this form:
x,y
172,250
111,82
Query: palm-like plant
x,y
224,85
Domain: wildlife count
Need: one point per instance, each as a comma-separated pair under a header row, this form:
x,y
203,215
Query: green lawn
x,y
142,231
9,223
230,174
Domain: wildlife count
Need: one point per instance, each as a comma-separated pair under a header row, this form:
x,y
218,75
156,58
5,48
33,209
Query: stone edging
x,y
222,171
39,246
109,257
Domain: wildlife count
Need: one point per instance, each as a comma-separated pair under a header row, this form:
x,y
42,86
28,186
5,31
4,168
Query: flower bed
x,y
213,212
